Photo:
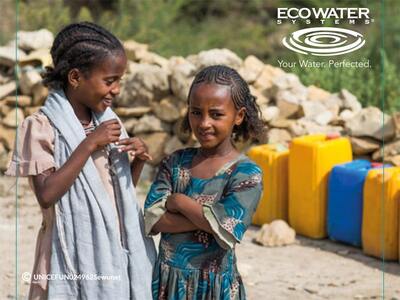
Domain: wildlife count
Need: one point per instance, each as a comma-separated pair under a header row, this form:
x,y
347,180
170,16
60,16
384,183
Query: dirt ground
x,y
310,269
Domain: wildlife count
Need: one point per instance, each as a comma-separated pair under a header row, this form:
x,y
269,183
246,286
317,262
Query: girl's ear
x,y
74,77
240,116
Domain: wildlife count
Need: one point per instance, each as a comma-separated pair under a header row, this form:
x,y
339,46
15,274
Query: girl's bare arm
x,y
138,149
189,208
52,184
173,223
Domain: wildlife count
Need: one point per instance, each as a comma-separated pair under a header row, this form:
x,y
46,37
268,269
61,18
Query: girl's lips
x,y
107,102
206,136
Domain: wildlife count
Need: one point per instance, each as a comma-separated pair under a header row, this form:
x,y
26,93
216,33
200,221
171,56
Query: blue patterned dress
x,y
196,264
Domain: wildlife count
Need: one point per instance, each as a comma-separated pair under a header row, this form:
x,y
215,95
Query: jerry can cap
x,y
332,136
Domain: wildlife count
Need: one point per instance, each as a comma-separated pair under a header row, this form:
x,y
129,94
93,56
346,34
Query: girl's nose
x,y
205,122
116,89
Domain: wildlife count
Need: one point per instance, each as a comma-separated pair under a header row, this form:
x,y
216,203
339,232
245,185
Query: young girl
x,y
203,199
75,152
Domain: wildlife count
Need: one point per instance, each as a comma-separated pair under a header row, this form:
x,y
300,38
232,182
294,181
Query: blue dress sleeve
x,y
232,214
154,206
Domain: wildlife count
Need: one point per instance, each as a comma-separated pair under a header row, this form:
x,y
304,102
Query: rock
x,y
130,125
182,76
7,89
31,110
7,136
288,104
311,290
146,84
252,68
176,60
37,58
13,118
150,123
154,59
8,55
281,123
324,118
393,160
266,77
368,122
33,40
127,112
4,78
289,81
260,98
22,100
304,127
167,110
172,145
269,113
4,158
134,50
350,101
389,149
317,112
363,146
276,234
346,115
4,109
317,94
279,136
215,57
333,104
28,78
396,121
156,142
40,93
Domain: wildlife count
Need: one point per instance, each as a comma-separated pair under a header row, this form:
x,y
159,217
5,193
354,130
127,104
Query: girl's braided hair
x,y
82,46
252,125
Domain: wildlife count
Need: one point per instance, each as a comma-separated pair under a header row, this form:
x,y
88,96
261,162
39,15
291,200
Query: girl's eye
x,y
195,113
111,81
217,115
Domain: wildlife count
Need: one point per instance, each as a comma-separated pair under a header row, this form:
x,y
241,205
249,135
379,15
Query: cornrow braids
x,y
252,125
82,46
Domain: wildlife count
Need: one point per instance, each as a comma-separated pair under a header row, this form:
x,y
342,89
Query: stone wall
x,y
152,102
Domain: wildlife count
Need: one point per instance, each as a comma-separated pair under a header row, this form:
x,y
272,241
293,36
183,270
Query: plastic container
x,y
311,158
345,201
273,160
380,226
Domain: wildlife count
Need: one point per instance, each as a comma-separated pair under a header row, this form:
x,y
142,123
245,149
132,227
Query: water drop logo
x,y
324,41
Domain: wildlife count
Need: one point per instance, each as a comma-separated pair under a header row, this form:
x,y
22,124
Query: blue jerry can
x,y
345,201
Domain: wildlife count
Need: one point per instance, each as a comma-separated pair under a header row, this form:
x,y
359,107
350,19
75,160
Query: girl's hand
x,y
106,133
172,203
135,147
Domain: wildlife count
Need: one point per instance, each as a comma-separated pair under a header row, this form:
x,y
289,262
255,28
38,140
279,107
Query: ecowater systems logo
x,y
324,41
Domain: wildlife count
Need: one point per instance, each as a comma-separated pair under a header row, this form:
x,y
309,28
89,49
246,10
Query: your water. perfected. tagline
x,y
331,63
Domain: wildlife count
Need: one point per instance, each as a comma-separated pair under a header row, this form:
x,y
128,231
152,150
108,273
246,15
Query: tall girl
x,y
203,199
75,152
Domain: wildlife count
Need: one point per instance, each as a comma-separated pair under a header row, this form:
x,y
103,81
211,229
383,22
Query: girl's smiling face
x,y
97,89
212,114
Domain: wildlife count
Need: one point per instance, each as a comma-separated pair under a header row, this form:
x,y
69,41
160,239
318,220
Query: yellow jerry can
x,y
311,158
380,226
273,160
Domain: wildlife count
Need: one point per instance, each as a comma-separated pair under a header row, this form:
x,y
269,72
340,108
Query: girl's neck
x,y
81,111
223,150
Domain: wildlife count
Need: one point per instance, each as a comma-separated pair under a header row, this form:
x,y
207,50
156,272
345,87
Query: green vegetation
x,y
183,27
